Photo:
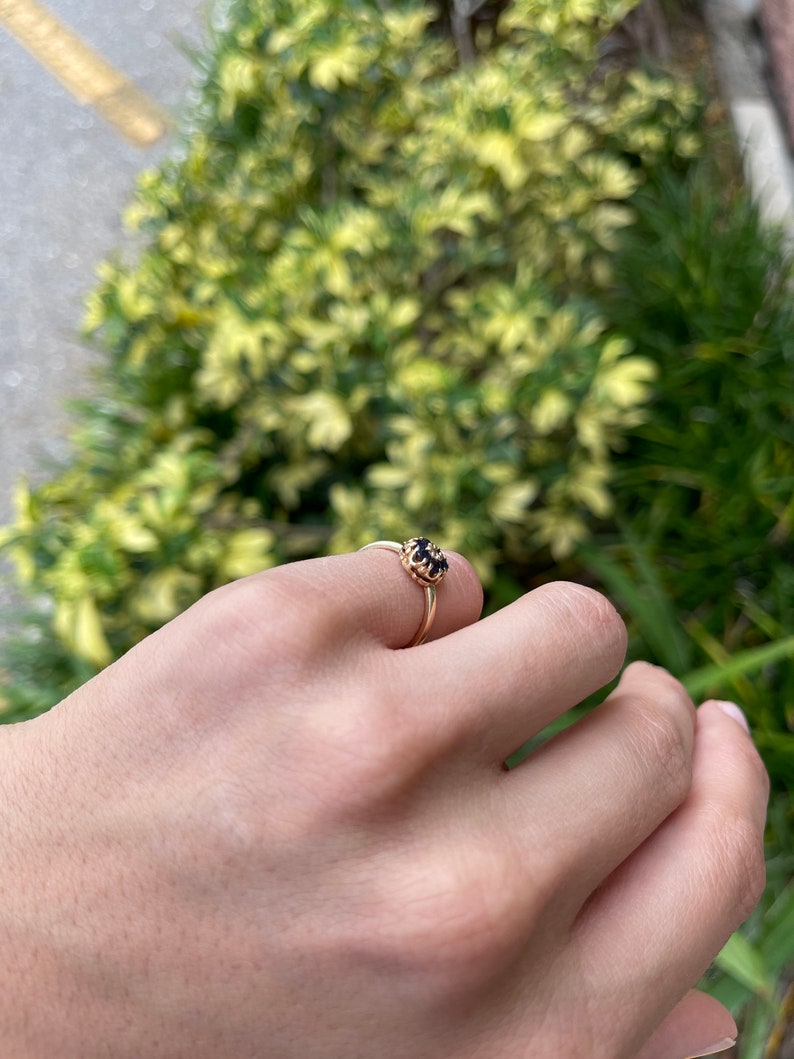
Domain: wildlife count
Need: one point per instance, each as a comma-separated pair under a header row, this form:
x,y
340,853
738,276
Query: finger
x,y
656,924
325,605
508,676
390,605
698,1025
590,796
292,623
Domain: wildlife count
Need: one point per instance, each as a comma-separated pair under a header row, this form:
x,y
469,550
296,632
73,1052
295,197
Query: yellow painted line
x,y
83,71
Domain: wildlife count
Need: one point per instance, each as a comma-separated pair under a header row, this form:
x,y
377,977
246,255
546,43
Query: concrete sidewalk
x,y
65,176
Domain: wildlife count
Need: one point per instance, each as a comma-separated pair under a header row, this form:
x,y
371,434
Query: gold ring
x,y
427,565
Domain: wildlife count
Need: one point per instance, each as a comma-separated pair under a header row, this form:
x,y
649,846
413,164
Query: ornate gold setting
x,y
424,561
427,565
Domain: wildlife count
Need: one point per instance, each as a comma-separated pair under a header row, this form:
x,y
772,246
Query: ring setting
x,y
427,565
423,560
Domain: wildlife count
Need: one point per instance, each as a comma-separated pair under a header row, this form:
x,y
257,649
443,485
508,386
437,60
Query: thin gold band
x,y
421,579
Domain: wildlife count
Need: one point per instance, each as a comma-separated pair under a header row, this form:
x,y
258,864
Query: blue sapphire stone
x,y
427,552
423,560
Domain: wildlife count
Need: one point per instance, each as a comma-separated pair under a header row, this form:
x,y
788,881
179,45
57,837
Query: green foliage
x,y
704,491
369,301
752,975
700,552
412,278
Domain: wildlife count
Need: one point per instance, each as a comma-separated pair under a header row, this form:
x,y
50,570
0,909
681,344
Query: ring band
x,y
427,565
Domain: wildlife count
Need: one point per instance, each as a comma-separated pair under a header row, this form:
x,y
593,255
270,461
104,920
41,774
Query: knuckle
x,y
586,607
371,752
238,609
755,768
663,738
458,918
656,683
739,859
225,615
265,618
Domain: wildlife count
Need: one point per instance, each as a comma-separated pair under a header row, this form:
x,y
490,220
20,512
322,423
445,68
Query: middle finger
x,y
508,676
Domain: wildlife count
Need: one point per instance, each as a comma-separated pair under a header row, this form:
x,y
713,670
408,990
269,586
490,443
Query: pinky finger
x,y
653,928
697,1025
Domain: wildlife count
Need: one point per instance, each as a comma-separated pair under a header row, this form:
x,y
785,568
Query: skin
x,y
268,831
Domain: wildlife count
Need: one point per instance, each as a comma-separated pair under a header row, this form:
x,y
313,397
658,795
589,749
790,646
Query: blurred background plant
x,y
472,270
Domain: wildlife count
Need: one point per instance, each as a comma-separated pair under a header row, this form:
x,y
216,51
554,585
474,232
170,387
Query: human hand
x,y
268,832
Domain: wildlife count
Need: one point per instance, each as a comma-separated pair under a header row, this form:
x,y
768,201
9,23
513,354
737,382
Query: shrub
x,y
368,305
704,489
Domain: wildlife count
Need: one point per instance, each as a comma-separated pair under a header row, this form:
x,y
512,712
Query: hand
x,y
269,832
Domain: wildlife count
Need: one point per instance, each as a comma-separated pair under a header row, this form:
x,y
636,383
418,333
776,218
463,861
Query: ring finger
x,y
590,796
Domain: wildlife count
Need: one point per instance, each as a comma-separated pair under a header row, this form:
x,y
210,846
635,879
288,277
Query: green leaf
x,y
746,965
777,944
645,601
709,678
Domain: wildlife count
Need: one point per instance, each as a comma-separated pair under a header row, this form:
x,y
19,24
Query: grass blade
x,y
644,600
712,677
744,963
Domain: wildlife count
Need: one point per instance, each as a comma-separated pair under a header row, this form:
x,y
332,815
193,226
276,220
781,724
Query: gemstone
x,y
423,560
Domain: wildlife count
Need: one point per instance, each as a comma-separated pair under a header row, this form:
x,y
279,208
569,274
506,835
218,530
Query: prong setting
x,y
427,565
424,561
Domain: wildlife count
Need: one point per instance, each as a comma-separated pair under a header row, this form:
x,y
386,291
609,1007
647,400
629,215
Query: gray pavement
x,y
65,176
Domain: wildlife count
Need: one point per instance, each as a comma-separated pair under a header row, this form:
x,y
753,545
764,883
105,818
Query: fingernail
x,y
733,711
726,1042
